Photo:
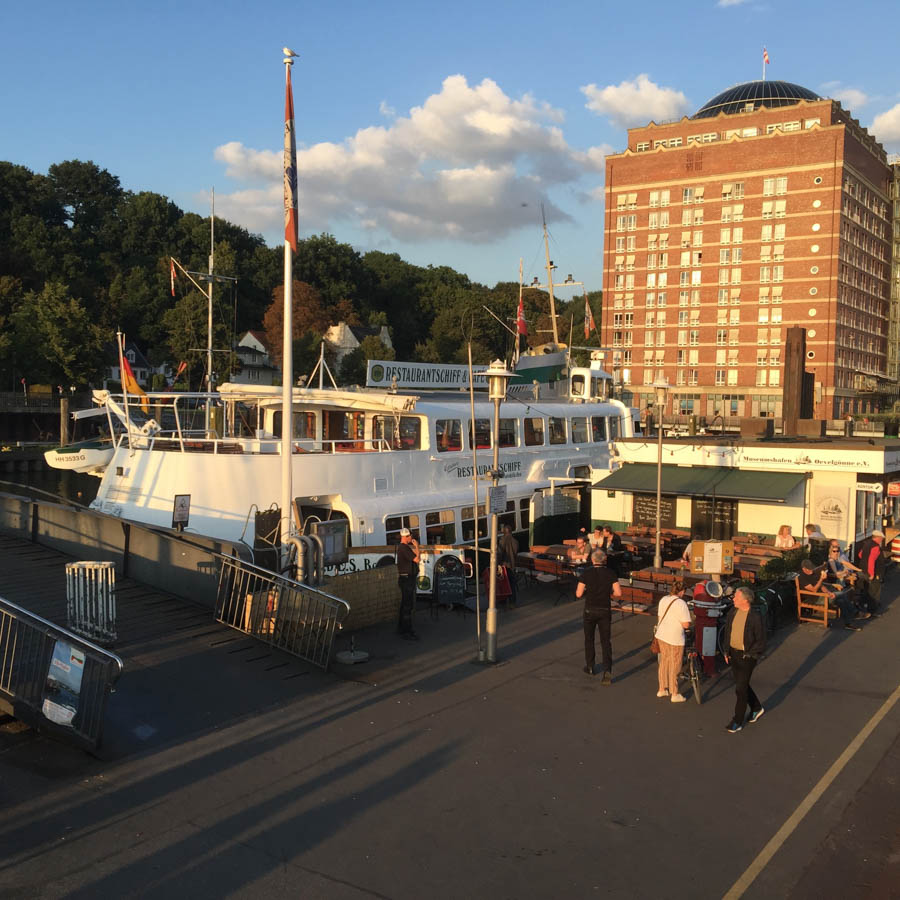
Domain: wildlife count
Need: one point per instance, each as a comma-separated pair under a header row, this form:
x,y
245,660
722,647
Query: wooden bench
x,y
815,606
552,571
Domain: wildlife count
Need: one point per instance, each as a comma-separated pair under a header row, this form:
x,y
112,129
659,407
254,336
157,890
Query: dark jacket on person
x,y
867,549
612,543
509,550
754,632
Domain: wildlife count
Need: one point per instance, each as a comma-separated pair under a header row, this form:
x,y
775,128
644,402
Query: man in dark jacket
x,y
598,585
746,638
872,561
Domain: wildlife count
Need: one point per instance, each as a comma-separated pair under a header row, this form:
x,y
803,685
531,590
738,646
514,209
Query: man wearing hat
x,y
872,562
407,569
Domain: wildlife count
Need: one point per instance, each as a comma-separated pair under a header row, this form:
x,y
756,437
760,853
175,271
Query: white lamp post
x,y
497,376
661,388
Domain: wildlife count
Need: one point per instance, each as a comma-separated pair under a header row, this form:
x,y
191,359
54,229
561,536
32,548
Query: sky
x,y
432,131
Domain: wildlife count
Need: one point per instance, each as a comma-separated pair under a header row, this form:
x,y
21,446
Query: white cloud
x,y
886,127
851,98
470,163
730,2
635,102
387,111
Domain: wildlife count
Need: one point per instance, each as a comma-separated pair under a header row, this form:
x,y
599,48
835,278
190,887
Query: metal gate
x,y
279,611
52,679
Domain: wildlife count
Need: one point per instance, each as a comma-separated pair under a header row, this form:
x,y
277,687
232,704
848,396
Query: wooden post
x,y
63,420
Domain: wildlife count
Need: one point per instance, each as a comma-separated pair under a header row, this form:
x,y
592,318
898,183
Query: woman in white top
x,y
674,619
784,540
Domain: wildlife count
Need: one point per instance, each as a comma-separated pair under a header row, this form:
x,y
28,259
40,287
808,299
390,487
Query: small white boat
x,y
90,457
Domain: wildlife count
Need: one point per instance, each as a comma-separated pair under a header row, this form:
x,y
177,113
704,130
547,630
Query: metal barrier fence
x,y
91,600
52,679
284,613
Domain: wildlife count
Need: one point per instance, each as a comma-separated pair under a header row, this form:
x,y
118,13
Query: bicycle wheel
x,y
694,671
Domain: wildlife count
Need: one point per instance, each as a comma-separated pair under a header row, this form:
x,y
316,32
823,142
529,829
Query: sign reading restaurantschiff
x,y
382,373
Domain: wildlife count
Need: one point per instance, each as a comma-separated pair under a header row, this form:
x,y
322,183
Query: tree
x,y
65,345
354,365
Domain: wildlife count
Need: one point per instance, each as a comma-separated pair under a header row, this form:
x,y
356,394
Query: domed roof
x,y
756,93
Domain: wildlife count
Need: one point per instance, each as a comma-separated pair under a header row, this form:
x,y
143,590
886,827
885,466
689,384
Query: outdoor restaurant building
x,y
719,487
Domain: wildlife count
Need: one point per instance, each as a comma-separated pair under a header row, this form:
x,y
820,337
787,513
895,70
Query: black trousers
x,y
603,622
513,587
742,667
407,603
870,592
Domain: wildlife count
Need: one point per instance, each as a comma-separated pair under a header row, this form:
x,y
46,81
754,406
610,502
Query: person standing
x,y
674,620
872,562
746,635
407,569
598,585
509,551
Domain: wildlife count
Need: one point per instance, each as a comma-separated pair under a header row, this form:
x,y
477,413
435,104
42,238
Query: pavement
x,y
231,770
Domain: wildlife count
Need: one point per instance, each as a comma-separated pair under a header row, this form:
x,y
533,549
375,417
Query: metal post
x,y
497,381
660,407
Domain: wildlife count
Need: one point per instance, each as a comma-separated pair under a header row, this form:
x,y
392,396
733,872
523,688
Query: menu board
x,y
713,519
712,557
643,511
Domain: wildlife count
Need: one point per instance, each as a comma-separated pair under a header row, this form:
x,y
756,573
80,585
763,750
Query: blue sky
x,y
433,132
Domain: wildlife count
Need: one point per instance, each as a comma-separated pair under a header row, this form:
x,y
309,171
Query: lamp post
x,y
497,376
661,388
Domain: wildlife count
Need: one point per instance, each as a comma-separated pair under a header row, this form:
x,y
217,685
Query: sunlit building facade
x,y
770,207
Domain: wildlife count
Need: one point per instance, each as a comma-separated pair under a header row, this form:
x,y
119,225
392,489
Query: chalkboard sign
x,y
449,581
644,510
713,519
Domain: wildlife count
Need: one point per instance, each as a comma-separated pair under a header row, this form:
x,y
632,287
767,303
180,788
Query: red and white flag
x,y
181,367
290,166
521,324
589,325
765,56
172,275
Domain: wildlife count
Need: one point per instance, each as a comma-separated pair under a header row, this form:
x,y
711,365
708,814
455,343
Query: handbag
x,y
654,644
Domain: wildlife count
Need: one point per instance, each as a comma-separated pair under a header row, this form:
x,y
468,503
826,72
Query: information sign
x,y
497,500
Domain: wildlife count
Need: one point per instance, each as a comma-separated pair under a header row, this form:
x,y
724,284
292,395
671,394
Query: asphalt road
x,y
423,774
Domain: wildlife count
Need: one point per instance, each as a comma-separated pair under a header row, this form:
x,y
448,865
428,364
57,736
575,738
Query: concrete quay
x,y
229,769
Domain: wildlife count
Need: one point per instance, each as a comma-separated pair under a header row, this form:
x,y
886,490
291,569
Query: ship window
x,y
525,512
579,430
534,431
508,429
613,425
440,527
304,424
345,430
482,434
405,434
449,435
468,523
508,517
578,385
393,524
598,428
557,429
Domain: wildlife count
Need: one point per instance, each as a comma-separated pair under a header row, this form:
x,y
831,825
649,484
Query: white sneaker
x,y
662,693
678,698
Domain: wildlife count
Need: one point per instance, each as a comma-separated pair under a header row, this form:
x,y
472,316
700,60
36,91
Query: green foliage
x,y
80,257
354,364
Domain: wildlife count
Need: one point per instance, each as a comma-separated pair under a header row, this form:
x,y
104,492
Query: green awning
x,y
704,481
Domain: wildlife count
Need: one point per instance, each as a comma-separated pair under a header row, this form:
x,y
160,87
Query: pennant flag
x,y
181,367
131,386
589,325
172,274
290,167
521,324
765,56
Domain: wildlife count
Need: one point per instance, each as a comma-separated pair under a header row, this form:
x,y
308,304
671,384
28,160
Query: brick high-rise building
x,y
769,207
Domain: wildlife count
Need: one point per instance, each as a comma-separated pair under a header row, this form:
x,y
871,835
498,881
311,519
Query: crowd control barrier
x,y
91,600
53,679
279,611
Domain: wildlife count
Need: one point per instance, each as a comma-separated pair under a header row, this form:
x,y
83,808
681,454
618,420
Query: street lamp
x,y
497,376
661,388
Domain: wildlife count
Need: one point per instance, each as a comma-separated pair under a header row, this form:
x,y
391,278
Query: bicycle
x,y
691,667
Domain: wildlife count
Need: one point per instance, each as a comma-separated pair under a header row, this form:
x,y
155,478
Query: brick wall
x,y
373,595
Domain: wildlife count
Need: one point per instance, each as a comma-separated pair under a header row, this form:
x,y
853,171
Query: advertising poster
x,y
830,509
63,686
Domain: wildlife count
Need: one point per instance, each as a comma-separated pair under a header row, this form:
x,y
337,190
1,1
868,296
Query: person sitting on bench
x,y
813,579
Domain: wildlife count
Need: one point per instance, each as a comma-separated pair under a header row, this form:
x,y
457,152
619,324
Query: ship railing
x,y
53,679
279,611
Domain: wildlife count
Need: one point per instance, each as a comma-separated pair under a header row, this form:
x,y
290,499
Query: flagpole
x,y
287,360
120,346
